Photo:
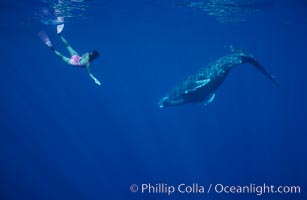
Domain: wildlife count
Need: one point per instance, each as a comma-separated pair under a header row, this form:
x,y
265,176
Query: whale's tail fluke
x,y
248,58
258,66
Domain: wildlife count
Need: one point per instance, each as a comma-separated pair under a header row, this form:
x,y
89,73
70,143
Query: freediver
x,y
83,61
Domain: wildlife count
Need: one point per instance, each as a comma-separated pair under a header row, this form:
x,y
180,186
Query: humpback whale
x,y
200,87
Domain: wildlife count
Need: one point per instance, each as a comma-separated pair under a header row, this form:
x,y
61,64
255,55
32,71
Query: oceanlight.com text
x,y
197,188
257,189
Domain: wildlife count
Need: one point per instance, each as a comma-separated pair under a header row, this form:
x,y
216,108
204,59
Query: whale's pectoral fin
x,y
203,82
199,84
209,99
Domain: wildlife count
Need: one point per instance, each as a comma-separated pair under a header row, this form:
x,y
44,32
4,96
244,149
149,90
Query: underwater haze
x,y
64,137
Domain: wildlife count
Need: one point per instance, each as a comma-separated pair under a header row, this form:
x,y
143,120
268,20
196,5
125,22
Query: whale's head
x,y
168,101
164,102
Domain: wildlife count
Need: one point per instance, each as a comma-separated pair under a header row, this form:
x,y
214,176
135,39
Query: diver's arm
x,y
88,67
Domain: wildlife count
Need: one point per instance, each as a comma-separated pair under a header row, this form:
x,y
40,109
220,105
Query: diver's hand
x,y
93,77
97,81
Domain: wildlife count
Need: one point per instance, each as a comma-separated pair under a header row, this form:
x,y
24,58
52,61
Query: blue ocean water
x,y
64,137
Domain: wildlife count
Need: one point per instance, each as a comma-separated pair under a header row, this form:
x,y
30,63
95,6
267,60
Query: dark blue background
x,y
63,137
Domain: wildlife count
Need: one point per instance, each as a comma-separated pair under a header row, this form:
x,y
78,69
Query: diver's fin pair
x,y
44,37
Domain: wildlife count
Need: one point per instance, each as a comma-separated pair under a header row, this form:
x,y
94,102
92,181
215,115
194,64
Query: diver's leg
x,y
44,37
69,48
65,59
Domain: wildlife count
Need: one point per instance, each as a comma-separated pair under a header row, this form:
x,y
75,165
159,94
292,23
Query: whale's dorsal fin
x,y
234,49
238,50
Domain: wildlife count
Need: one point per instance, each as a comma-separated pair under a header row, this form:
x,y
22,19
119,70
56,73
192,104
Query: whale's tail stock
x,y
248,58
